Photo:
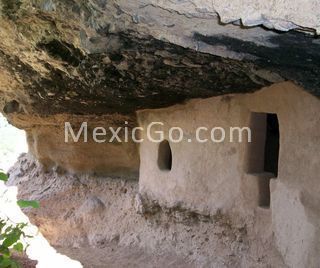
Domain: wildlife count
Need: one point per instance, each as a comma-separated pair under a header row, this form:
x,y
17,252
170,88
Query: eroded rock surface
x,y
100,213
103,57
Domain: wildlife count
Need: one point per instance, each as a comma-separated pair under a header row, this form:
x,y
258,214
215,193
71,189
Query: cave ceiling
x,y
102,57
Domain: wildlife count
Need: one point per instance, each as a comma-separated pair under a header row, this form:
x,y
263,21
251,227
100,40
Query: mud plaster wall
x,y
209,177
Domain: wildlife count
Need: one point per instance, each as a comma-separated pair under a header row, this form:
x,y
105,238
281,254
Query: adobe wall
x,y
212,177
207,168
295,195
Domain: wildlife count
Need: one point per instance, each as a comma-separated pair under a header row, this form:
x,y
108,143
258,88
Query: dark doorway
x,y
164,156
263,154
271,152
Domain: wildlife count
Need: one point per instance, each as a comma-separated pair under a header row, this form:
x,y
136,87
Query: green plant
x,y
12,234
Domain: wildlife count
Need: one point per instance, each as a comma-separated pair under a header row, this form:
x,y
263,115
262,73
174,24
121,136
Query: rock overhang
x,y
102,58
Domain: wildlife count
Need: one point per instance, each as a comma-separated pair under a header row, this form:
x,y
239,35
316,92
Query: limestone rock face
x,y
99,57
281,15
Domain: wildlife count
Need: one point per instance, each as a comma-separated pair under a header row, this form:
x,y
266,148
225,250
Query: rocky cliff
x,y
99,57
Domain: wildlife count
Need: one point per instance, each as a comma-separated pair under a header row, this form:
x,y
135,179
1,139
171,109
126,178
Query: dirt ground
x,y
115,256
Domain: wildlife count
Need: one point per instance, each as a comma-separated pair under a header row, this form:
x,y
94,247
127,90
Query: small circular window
x,y
164,156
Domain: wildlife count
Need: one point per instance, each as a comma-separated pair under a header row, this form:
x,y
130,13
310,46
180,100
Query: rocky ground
x,y
99,221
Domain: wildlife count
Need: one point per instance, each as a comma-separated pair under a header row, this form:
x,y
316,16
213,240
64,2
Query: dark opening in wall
x,y
263,153
164,156
271,153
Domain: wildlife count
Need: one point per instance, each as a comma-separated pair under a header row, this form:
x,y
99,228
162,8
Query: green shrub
x,y
12,234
